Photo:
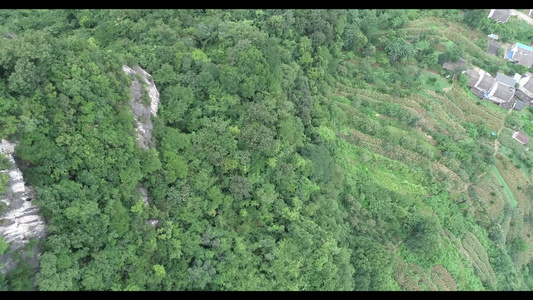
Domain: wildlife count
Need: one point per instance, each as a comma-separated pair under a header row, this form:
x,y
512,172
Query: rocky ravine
x,y
19,221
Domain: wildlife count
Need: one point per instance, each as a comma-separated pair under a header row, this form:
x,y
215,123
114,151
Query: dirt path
x,y
522,16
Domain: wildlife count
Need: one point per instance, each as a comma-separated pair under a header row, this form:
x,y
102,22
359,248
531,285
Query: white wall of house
x,y
493,90
481,74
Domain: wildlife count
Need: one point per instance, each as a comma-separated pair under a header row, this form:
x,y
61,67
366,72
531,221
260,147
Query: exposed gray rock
x,y
20,221
153,222
144,195
142,112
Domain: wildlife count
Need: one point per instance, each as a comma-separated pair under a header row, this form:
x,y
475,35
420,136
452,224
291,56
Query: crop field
x,y
508,191
516,181
516,161
492,197
404,278
443,279
460,35
403,179
424,279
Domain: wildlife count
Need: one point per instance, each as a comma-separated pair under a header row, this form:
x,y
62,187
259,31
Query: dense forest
x,y
292,150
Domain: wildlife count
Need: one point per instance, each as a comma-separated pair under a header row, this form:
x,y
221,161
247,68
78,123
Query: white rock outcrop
x,y
141,112
20,221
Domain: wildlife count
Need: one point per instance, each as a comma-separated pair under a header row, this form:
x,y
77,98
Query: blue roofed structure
x,y
524,46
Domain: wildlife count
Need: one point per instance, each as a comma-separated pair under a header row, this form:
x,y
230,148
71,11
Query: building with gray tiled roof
x,y
500,92
493,46
486,82
452,66
500,15
473,77
510,81
477,92
518,94
521,54
526,85
519,105
507,104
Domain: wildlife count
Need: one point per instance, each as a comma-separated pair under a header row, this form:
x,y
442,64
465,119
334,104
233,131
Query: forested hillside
x,y
292,150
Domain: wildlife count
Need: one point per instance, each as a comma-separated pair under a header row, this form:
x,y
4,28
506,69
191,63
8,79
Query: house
x,y
500,15
509,81
485,82
521,54
480,82
522,138
473,77
530,13
507,104
525,89
526,85
477,92
519,105
519,95
502,90
452,66
493,47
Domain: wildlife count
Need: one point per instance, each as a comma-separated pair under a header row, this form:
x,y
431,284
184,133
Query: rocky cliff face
x,y
141,111
19,222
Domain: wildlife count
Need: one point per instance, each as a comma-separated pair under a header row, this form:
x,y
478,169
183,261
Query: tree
x,y
425,239
159,271
475,18
240,187
3,245
353,38
19,279
257,137
399,51
24,79
175,166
